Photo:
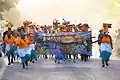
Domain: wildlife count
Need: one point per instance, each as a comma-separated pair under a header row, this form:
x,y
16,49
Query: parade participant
x,y
69,28
99,38
36,34
31,29
32,47
24,51
106,26
85,27
9,25
9,31
105,48
38,50
22,30
26,25
49,28
59,55
44,52
45,29
16,40
77,48
83,50
9,42
19,31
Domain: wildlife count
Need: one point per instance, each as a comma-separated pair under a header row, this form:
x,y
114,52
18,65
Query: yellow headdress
x,y
9,25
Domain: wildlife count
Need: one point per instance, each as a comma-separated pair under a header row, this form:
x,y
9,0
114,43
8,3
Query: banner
x,y
66,42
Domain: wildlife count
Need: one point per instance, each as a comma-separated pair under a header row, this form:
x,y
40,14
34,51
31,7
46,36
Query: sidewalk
x,y
3,66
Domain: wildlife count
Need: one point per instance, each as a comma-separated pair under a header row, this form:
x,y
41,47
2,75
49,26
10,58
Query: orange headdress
x,y
106,26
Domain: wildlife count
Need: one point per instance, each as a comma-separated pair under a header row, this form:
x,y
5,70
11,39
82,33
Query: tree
x,y
117,41
6,5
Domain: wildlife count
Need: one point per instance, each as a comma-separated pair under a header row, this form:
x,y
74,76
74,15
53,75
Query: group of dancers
x,y
23,45
20,46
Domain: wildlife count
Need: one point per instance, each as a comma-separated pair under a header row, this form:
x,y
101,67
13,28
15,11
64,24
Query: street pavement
x,y
1,62
66,70
3,65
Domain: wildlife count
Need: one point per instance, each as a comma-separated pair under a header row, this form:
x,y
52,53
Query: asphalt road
x,y
67,70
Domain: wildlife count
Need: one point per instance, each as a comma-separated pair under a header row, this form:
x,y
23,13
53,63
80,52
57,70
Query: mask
x,y
23,37
106,33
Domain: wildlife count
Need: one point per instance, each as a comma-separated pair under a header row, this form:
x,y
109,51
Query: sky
x,y
94,12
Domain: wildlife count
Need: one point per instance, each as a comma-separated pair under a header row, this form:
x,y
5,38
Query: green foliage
x,y
6,5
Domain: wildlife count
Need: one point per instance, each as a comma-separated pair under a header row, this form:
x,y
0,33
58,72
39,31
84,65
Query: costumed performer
x,y
105,48
32,47
9,42
24,51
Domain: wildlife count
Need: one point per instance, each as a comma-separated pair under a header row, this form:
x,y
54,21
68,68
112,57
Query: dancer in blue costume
x,y
15,48
59,54
32,48
9,41
24,51
105,48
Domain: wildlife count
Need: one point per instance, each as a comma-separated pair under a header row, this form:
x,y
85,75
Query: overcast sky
x,y
94,12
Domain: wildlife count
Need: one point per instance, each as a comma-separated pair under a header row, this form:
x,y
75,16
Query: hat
x,y
86,25
107,24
